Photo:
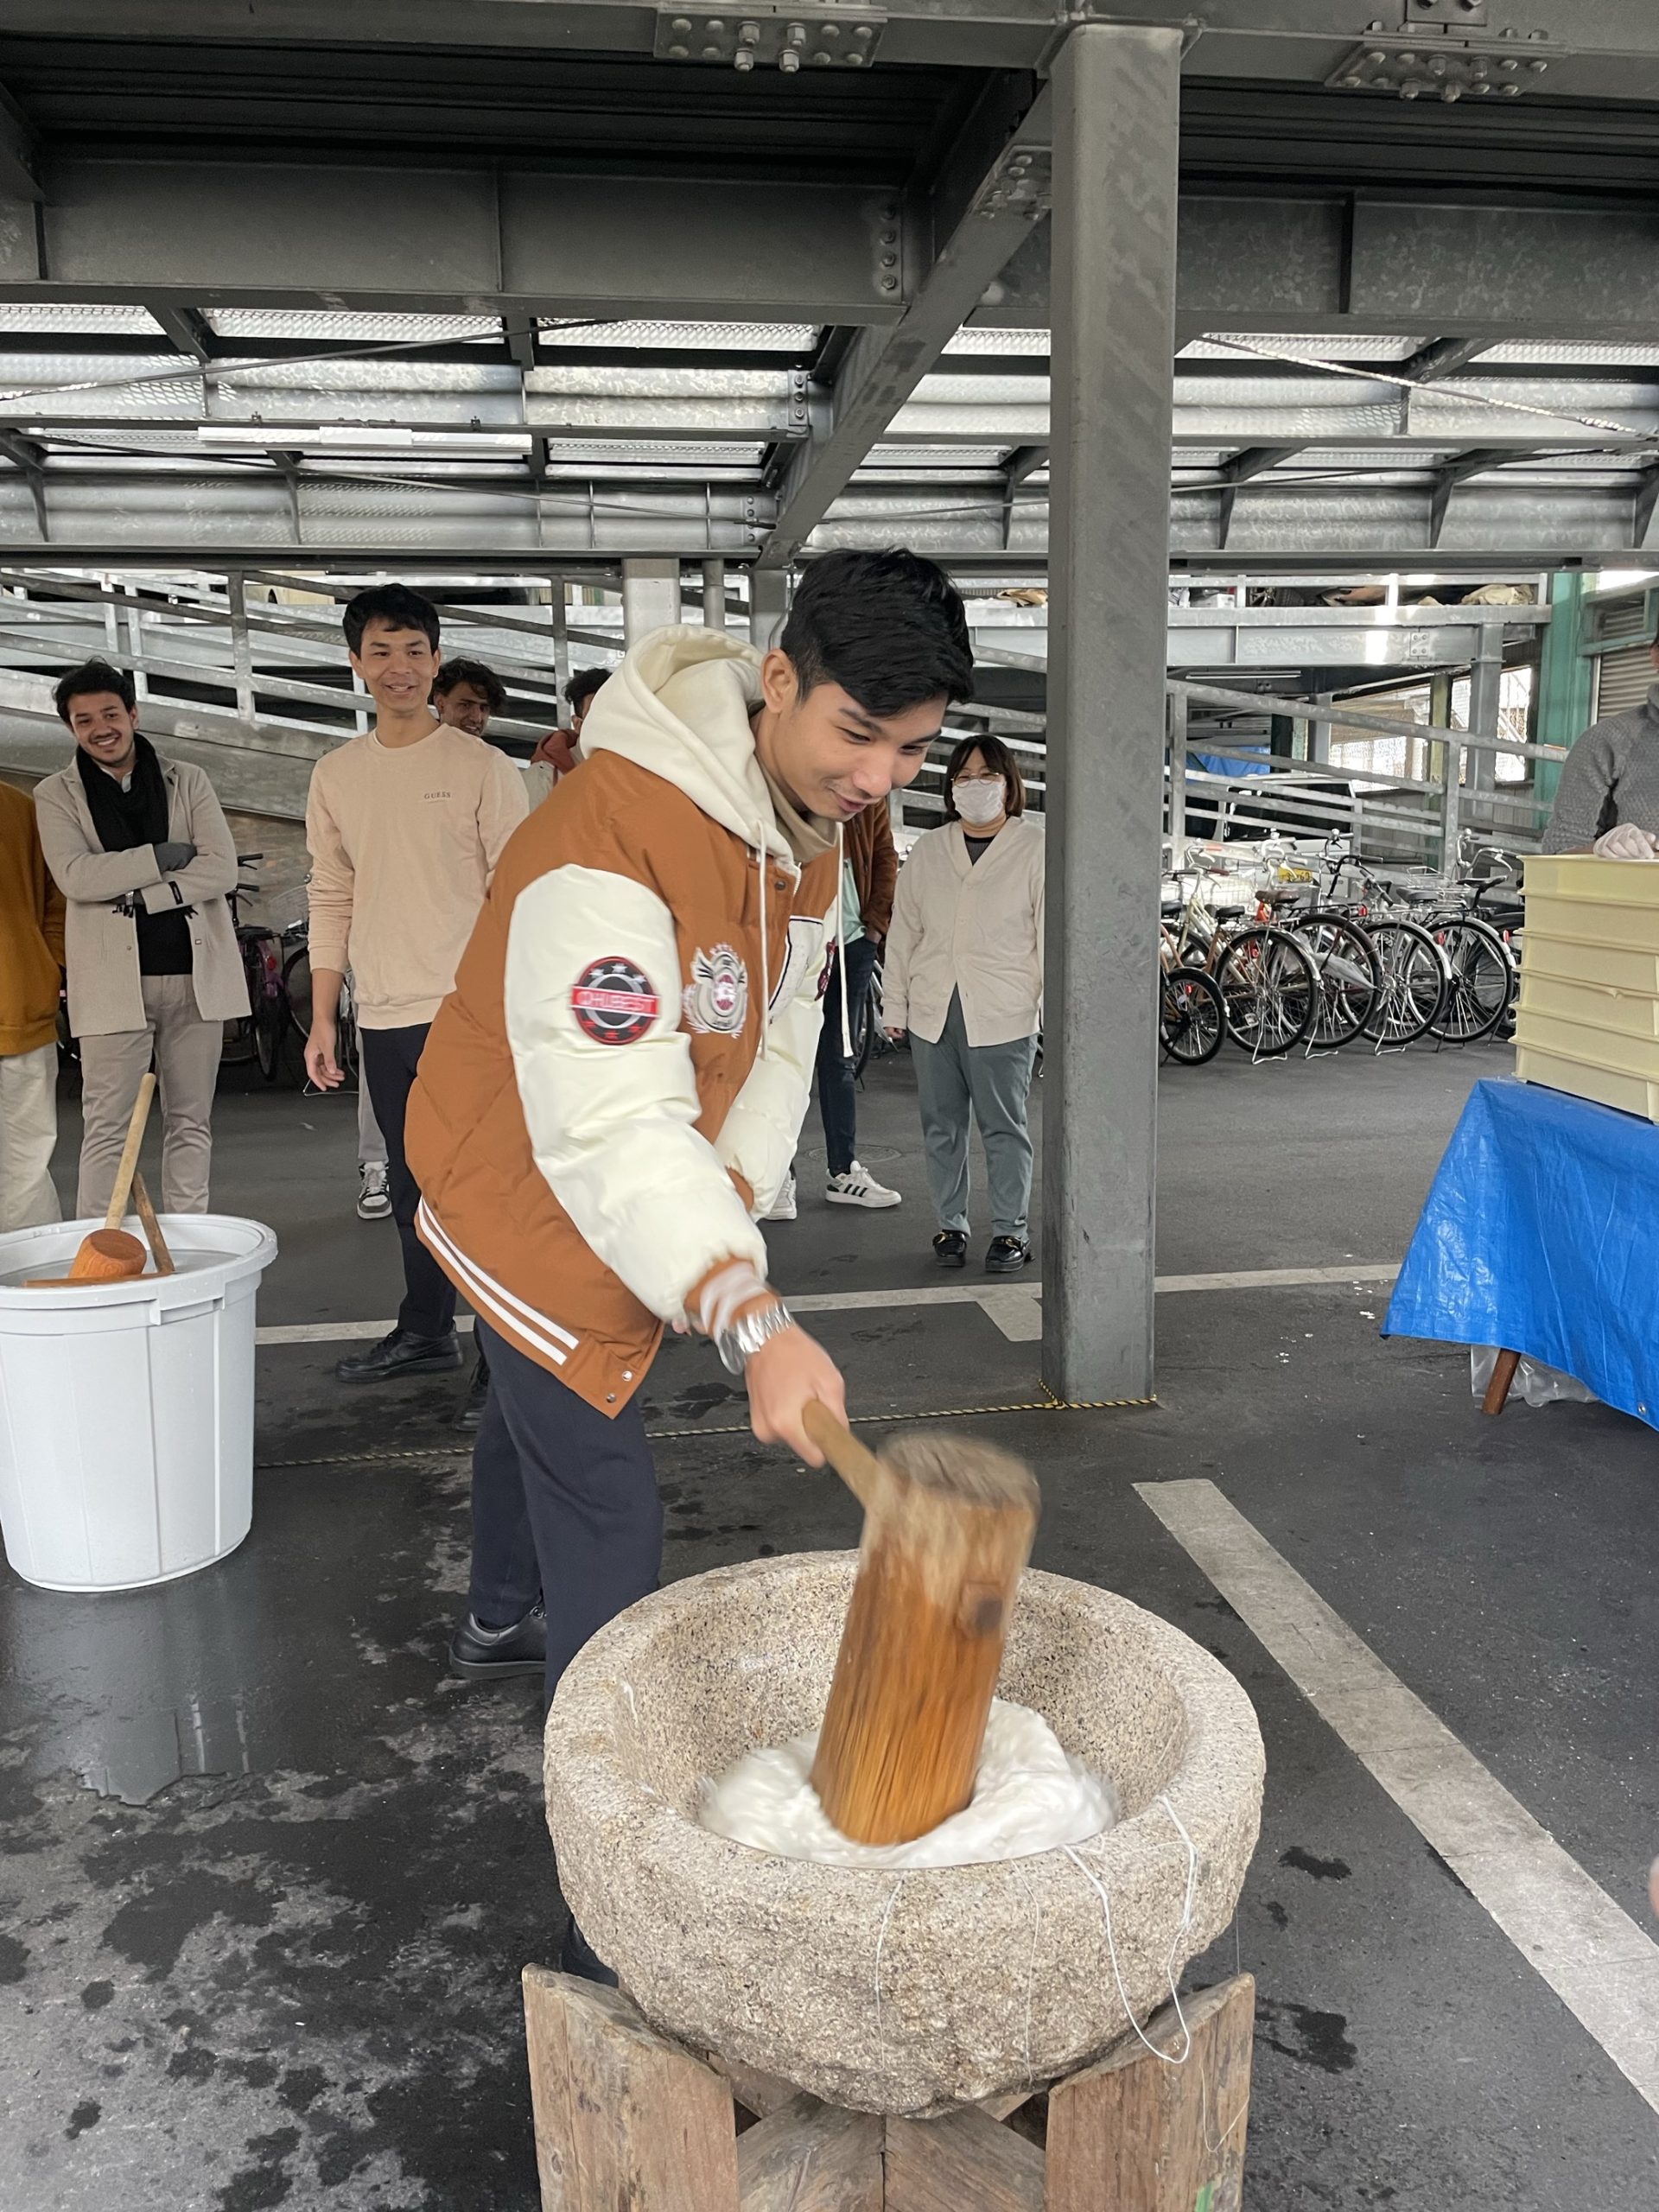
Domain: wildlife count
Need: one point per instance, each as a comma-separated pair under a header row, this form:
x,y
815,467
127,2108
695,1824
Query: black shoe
x,y
1006,1255
577,1957
400,1353
950,1248
470,1413
490,1655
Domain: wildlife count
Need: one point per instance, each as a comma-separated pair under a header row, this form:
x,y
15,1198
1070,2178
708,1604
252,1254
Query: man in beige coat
x,y
139,846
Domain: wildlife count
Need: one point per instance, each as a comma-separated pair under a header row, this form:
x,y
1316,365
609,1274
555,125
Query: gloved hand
x,y
172,857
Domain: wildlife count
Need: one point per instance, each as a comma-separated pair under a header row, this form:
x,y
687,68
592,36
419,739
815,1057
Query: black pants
x,y
564,1507
837,1085
390,1059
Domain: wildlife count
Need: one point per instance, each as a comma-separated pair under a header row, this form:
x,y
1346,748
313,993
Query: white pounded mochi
x,y
1031,1796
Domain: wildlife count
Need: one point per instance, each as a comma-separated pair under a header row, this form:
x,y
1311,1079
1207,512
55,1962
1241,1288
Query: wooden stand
x,y
628,2120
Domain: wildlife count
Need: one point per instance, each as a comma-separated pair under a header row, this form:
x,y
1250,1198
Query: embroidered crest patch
x,y
716,1000
613,1002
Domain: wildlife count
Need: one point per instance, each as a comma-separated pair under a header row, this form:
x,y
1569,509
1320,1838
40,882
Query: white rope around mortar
x,y
1181,1927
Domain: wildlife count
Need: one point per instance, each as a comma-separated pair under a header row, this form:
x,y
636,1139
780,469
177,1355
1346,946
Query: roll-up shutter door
x,y
1623,679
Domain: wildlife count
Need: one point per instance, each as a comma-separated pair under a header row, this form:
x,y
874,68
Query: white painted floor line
x,y
1283,1278
1016,1308
1602,1965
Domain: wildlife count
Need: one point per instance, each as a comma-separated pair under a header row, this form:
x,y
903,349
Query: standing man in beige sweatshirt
x,y
405,825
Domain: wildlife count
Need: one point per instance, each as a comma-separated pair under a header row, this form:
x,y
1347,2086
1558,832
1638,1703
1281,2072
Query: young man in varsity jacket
x,y
613,1092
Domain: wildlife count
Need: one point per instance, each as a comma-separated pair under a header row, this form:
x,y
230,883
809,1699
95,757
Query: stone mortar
x,y
886,1991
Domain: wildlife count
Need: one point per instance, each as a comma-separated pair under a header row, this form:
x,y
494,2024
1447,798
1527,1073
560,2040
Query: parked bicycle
x,y
296,986
1413,970
1268,984
258,1035
1191,1013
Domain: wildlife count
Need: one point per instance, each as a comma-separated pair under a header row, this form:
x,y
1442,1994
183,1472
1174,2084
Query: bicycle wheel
x,y
1481,980
1269,991
1350,977
1414,980
1191,1016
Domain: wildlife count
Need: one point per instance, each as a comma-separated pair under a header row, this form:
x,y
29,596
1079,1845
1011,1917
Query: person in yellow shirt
x,y
31,963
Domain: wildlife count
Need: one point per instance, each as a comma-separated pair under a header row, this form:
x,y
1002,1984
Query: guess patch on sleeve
x,y
615,1001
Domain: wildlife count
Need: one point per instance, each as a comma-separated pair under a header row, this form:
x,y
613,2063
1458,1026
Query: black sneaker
x,y
469,1413
400,1353
1006,1255
489,1654
577,1957
950,1248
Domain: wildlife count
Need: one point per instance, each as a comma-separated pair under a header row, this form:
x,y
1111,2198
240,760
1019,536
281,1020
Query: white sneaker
x,y
858,1187
783,1206
374,1199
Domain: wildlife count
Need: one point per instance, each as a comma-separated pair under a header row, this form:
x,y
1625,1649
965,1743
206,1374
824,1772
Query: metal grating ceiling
x,y
75,320
687,337
346,325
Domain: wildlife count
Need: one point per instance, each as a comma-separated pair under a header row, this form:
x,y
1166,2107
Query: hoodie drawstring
x,y
840,937
763,859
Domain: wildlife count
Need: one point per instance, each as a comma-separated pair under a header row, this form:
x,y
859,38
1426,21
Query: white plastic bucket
x,y
126,1408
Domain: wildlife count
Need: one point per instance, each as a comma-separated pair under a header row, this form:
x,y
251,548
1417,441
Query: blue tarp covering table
x,y
1540,1235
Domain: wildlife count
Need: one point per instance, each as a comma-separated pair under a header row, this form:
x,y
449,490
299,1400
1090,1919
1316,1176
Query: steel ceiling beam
x,y
1597,49
178,233
186,329
463,237
992,189
1382,263
1459,471
19,151
1254,461
1442,357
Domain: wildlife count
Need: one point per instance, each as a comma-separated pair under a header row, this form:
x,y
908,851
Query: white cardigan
x,y
974,927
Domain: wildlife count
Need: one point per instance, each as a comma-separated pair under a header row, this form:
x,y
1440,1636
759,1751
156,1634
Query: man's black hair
x,y
93,676
888,628
393,604
583,684
479,675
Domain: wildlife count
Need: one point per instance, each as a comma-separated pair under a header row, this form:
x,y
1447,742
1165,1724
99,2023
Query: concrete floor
x,y
267,1877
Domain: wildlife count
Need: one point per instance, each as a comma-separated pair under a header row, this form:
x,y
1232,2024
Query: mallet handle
x,y
858,1468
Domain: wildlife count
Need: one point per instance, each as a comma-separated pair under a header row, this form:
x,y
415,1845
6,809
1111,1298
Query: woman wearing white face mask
x,y
963,973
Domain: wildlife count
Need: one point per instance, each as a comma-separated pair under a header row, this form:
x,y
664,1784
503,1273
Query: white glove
x,y
1626,842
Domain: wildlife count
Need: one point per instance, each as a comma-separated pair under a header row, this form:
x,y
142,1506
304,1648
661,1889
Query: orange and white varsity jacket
x,y
615,1086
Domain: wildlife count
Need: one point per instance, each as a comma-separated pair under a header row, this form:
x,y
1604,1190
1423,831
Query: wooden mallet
x,y
109,1254
948,1526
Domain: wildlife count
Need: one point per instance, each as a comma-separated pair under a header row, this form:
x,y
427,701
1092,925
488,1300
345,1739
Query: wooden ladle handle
x,y
123,1173
858,1467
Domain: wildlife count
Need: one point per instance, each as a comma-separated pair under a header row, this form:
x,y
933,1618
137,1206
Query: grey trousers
x,y
995,1081
186,1051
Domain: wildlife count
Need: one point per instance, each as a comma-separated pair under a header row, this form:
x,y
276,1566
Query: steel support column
x,y
1485,692
1116,97
651,597
1451,756
1175,811
768,605
713,594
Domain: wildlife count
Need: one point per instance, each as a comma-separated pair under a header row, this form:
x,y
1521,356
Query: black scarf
x,y
124,820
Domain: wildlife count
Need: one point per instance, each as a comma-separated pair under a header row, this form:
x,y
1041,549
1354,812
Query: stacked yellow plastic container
x,y
1587,1021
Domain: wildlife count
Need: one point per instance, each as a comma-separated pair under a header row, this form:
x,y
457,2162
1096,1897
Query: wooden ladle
x,y
948,1526
110,1255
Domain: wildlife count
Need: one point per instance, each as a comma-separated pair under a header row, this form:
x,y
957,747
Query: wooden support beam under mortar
x,y
628,2120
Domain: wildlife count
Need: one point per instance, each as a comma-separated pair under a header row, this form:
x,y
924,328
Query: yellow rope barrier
x,y
1048,1403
